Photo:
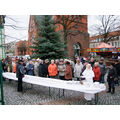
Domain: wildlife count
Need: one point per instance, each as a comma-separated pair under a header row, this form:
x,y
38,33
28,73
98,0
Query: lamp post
x,y
1,76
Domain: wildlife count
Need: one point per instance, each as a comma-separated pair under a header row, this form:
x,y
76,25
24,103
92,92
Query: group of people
x,y
64,69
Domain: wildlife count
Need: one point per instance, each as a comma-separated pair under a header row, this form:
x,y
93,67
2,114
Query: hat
x,y
61,60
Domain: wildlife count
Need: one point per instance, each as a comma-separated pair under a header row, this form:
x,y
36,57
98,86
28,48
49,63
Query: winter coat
x,y
102,69
68,72
52,69
19,71
36,70
61,70
78,70
111,74
45,68
14,68
117,67
30,69
41,70
97,73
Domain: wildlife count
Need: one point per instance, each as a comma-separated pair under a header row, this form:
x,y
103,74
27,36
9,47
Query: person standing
x,y
77,69
103,70
68,71
46,73
20,75
30,68
88,74
61,69
97,72
36,65
112,74
117,67
92,62
40,69
52,69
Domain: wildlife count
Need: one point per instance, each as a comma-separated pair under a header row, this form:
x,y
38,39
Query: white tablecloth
x,y
56,83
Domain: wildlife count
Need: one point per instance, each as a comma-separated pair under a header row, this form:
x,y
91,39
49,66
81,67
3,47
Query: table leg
x,y
49,92
96,98
63,92
59,93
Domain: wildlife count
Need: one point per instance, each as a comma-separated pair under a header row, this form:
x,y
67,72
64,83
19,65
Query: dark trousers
x,y
19,89
111,84
62,77
102,79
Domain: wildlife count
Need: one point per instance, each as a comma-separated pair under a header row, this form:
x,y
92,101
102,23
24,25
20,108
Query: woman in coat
x,y
97,72
68,71
78,69
52,69
61,69
30,68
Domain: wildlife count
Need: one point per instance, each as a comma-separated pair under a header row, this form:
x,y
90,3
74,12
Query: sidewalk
x,y
39,95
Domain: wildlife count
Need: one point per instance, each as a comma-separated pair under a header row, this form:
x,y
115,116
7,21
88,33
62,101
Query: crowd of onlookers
x,y
66,69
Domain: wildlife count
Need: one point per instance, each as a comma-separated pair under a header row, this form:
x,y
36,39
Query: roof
x,y
114,33
104,45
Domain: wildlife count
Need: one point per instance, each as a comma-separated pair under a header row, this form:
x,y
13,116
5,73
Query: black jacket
x,y
45,69
117,66
111,74
19,71
41,70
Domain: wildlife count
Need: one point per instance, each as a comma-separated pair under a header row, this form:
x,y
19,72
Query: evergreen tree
x,y
48,44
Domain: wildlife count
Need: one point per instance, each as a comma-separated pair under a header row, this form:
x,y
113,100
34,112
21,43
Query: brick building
x,y
115,39
77,43
21,48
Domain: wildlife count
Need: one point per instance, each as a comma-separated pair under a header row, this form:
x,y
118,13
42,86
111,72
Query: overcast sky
x,y
21,23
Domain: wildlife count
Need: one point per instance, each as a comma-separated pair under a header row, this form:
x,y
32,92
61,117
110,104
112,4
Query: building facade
x,y
21,48
10,48
77,43
115,40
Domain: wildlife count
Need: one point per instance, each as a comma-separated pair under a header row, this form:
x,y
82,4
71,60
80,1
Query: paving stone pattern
x,y
39,95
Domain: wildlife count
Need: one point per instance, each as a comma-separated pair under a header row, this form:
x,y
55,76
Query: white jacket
x,y
88,74
77,69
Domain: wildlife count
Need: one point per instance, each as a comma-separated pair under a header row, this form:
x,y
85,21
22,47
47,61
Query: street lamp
x,y
1,76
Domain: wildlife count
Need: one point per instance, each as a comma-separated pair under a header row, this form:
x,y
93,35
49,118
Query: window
x,y
118,44
32,38
76,26
79,18
115,44
77,50
112,43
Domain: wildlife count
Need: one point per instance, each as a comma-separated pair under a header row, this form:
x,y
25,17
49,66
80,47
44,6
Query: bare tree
x,y
68,23
106,25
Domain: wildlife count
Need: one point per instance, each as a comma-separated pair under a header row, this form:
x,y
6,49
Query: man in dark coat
x,y
117,67
41,69
103,70
20,75
45,69
112,74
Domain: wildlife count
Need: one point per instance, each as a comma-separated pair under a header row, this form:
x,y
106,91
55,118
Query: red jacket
x,y
52,69
97,73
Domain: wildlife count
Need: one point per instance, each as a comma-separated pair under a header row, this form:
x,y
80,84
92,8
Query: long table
x,y
56,83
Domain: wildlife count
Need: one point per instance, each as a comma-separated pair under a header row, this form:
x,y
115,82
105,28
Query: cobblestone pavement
x,y
39,95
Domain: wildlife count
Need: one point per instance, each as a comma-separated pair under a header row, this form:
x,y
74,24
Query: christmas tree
x,y
48,44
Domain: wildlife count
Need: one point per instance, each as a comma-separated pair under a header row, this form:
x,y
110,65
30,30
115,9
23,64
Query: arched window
x,y
77,50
